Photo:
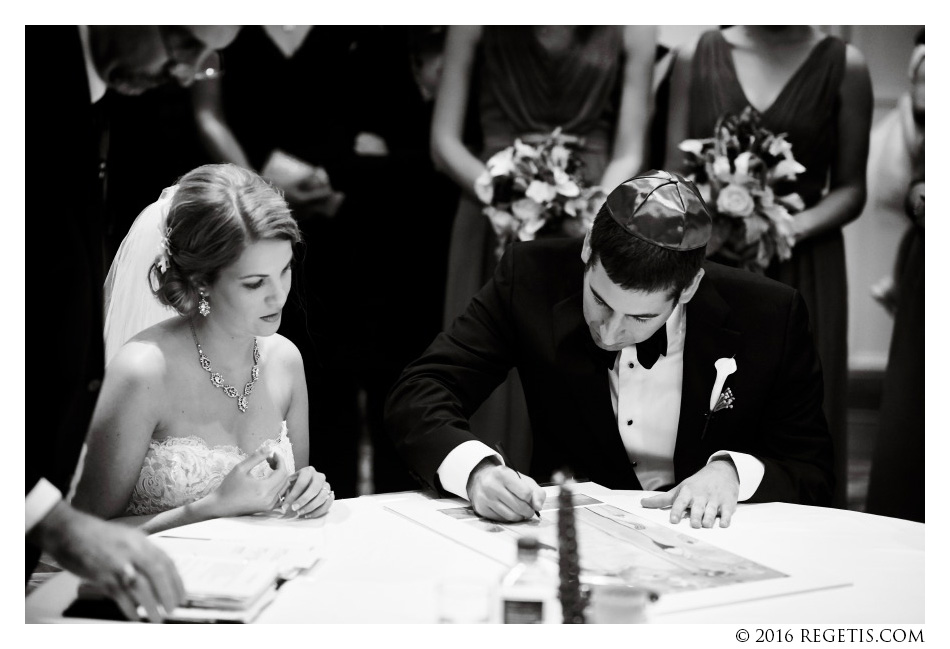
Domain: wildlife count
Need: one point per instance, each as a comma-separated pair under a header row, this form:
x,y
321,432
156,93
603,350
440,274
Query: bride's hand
x,y
309,494
241,493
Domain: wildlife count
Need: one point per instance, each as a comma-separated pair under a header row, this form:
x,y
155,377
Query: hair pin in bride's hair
x,y
165,247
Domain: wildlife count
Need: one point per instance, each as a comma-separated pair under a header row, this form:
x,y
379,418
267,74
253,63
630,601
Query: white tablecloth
x,y
380,567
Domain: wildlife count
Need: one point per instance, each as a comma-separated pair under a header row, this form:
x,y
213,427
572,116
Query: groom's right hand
x,y
498,493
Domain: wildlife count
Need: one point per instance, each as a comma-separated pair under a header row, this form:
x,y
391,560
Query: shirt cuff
x,y
750,470
40,501
458,465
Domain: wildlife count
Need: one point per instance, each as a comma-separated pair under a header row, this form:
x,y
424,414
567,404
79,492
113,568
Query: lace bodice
x,y
180,470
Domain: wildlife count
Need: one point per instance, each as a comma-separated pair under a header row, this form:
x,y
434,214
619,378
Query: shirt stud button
x,y
630,422
630,365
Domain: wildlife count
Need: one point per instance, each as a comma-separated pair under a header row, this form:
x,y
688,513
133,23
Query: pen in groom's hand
x,y
504,457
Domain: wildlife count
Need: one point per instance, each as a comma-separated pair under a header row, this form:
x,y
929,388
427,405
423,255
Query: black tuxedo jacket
x,y
530,316
64,360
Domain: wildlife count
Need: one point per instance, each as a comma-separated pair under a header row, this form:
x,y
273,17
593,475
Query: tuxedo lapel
x,y
584,368
708,338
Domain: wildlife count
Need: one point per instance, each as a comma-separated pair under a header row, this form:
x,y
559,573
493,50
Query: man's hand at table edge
x,y
710,492
118,560
497,492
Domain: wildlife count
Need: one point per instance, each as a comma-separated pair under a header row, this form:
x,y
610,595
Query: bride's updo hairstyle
x,y
218,210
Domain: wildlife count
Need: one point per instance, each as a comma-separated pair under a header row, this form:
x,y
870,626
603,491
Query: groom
x,y
621,343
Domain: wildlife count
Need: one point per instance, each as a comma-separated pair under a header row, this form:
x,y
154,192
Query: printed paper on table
x,y
685,571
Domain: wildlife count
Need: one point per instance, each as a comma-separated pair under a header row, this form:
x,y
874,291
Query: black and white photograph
x,y
427,325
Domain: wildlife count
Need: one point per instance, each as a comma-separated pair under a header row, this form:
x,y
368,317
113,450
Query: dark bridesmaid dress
x,y
807,111
300,104
525,91
896,486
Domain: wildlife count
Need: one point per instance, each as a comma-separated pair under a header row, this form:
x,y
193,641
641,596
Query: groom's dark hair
x,y
637,265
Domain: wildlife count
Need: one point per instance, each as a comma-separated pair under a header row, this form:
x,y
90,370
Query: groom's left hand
x,y
710,492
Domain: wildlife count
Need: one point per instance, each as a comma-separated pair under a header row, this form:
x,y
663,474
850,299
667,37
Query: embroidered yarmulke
x,y
662,208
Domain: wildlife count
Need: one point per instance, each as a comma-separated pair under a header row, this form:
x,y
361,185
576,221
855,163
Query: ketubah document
x,y
685,571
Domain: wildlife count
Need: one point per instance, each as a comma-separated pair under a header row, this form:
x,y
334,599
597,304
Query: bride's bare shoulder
x,y
279,347
281,351
149,353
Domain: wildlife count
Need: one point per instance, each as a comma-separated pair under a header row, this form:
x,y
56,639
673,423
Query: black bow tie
x,y
648,352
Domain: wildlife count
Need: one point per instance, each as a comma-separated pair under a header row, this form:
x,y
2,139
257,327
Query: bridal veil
x,y
130,306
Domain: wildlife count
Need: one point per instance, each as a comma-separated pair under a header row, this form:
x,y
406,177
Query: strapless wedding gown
x,y
180,470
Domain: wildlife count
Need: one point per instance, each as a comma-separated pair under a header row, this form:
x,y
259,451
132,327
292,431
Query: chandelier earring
x,y
203,307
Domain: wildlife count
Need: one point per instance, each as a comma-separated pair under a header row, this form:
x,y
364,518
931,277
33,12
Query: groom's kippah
x,y
662,208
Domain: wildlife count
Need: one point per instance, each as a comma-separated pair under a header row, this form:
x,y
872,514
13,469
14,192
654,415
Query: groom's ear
x,y
693,286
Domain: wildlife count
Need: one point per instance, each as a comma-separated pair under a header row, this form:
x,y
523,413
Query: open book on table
x,y
231,568
223,582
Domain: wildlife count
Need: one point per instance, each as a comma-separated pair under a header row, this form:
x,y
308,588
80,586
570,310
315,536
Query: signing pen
x,y
504,457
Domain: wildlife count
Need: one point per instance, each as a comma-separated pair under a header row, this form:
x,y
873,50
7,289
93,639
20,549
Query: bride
x,y
202,414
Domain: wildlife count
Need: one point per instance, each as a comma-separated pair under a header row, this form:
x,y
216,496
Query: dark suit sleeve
x,y
428,409
63,258
796,447
63,254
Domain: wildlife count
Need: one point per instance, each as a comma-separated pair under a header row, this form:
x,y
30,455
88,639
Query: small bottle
x,y
528,592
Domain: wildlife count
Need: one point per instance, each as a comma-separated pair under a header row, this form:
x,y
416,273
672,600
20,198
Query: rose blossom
x,y
735,200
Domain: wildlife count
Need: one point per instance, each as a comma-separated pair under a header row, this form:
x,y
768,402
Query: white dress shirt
x,y
646,404
646,407
40,501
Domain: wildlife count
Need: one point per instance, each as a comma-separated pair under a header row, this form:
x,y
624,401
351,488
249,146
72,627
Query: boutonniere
x,y
719,400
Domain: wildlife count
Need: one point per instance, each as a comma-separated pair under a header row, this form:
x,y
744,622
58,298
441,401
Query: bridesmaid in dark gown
x,y
287,90
817,90
355,102
594,82
896,485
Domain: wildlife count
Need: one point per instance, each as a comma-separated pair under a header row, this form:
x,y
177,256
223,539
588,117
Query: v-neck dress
x,y
806,110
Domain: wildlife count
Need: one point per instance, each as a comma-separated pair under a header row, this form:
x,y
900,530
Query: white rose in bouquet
x,y
735,200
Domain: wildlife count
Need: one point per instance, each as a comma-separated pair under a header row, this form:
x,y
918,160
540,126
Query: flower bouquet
x,y
737,171
535,190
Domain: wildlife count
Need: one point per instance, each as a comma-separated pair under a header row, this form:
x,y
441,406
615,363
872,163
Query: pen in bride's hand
x,y
508,463
290,485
